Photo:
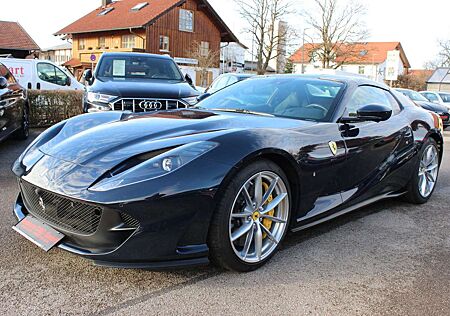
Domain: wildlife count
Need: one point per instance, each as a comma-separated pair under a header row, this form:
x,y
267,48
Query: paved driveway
x,y
390,258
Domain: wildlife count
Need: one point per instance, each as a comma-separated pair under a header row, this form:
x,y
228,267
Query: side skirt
x,y
347,210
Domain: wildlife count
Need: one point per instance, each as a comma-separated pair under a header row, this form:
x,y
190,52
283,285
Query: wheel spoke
x,y
432,167
247,198
238,233
241,215
430,177
258,190
248,242
269,192
274,203
258,241
269,234
273,219
423,184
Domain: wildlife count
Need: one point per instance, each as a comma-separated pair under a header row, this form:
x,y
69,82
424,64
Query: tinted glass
x,y
445,97
291,97
367,95
413,95
431,96
138,67
46,72
60,77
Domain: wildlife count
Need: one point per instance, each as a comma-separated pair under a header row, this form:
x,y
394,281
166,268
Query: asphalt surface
x,y
390,258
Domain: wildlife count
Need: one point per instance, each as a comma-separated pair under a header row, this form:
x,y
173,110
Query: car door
x,y
376,152
11,103
50,77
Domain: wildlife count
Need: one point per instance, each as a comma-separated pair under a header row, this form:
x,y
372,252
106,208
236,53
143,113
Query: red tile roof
x,y
14,37
361,53
122,17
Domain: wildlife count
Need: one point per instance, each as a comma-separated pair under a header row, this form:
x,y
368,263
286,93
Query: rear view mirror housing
x,y
371,112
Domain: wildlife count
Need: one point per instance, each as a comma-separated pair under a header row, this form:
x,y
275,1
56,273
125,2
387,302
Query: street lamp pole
x,y
303,50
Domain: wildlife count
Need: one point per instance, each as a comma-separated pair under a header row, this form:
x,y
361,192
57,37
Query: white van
x,y
41,74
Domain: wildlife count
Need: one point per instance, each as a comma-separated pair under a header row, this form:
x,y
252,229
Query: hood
x,y
143,88
434,107
105,145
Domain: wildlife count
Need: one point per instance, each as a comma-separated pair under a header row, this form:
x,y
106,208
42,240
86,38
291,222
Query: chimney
x,y
105,3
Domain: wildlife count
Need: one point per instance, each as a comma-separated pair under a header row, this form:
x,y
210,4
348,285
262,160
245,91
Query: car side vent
x,y
129,221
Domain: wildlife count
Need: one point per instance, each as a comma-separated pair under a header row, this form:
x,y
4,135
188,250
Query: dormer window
x,y
139,6
105,12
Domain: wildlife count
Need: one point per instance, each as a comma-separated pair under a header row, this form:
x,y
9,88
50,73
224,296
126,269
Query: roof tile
x,y
14,37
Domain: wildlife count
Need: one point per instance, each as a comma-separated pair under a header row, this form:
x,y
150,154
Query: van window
x,y
50,73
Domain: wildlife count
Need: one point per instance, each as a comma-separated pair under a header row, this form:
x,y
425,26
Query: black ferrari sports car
x,y
226,180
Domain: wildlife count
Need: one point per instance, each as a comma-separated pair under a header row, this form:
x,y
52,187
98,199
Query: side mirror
x,y
3,83
189,79
203,96
88,76
372,112
68,81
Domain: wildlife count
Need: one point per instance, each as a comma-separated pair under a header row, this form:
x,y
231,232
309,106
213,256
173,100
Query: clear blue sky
x,y
416,24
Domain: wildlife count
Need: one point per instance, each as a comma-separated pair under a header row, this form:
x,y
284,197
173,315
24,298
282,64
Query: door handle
x,y
38,86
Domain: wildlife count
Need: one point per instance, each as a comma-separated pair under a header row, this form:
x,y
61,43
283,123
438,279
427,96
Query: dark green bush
x,y
50,107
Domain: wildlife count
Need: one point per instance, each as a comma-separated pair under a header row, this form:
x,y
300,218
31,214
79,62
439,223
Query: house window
x,y
186,20
361,70
102,42
164,43
204,48
128,41
81,44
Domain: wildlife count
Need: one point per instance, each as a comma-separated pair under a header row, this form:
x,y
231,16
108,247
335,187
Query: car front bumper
x,y
172,236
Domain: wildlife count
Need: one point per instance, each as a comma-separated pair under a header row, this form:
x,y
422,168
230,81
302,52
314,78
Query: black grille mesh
x,y
129,221
61,212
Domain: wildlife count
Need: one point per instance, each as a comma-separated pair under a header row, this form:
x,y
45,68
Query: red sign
x,y
39,233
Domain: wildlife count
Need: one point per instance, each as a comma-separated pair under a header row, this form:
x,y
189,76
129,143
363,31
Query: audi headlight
x,y
156,167
95,97
191,100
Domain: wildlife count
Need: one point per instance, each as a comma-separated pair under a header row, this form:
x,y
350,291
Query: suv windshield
x,y
138,67
413,95
282,96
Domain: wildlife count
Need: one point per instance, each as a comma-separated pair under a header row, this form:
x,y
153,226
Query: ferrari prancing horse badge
x,y
333,147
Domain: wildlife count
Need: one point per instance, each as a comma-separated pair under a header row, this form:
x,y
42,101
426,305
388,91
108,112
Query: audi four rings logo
x,y
150,105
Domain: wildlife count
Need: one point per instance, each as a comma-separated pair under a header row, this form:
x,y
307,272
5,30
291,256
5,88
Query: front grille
x,y
58,211
147,105
129,221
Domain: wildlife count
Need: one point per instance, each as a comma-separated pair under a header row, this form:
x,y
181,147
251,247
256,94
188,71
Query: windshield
x,y
282,96
141,67
445,97
413,95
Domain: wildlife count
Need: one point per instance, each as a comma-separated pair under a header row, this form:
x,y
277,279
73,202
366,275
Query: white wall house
x,y
57,54
367,59
232,57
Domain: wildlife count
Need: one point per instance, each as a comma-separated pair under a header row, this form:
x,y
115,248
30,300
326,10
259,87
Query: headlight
x,y
156,167
191,100
99,98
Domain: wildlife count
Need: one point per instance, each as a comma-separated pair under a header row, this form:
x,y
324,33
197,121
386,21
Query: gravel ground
x,y
390,258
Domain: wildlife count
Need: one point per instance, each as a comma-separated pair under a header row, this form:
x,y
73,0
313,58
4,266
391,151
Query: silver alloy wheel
x,y
428,171
259,216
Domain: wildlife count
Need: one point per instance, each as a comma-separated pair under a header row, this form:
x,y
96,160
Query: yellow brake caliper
x,y
267,222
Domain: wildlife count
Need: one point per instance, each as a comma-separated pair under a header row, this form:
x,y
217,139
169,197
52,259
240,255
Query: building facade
x,y
57,54
365,59
168,27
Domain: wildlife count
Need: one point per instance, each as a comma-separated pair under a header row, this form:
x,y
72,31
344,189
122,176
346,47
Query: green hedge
x,y
50,107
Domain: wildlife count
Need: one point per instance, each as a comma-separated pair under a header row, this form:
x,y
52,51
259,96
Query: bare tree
x,y
207,59
443,58
339,24
263,18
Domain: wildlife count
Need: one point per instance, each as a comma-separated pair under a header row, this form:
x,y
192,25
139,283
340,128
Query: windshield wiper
x,y
243,111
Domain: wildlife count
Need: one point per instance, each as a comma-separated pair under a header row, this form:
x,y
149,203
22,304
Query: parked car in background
x,y
13,106
226,80
423,102
137,82
41,74
437,97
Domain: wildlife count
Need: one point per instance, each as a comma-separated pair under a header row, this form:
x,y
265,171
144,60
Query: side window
x,y
220,84
46,72
4,72
431,97
60,77
394,104
232,80
366,95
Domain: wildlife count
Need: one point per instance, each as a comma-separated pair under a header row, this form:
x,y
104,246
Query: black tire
x,y
413,194
221,251
24,130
